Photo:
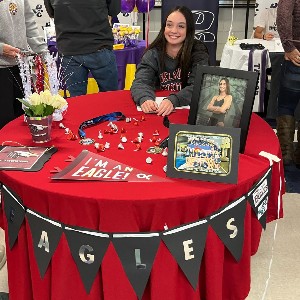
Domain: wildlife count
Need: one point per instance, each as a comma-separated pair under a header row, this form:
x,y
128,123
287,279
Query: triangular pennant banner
x,y
91,166
186,243
258,197
46,234
228,224
88,249
14,212
137,253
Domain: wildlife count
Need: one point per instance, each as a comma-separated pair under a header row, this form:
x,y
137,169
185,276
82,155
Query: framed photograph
x,y
223,98
203,153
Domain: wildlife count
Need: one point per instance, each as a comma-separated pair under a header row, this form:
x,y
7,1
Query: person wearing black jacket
x,y
85,41
170,63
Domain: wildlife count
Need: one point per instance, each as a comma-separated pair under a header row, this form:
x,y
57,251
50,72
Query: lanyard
x,y
114,116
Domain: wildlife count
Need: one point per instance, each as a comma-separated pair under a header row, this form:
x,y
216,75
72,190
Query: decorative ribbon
x,y
114,116
39,73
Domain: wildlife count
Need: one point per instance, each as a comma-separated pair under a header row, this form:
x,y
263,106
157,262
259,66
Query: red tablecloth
x,y
133,207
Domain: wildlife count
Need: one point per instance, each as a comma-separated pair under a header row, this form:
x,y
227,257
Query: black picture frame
x,y
203,153
242,88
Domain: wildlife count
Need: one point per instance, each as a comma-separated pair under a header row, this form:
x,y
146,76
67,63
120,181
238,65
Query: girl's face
x,y
175,30
222,86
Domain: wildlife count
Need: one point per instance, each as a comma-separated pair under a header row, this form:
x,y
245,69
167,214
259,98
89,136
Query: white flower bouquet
x,y
43,104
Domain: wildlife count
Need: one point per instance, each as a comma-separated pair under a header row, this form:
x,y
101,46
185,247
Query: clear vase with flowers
x,y
42,102
39,109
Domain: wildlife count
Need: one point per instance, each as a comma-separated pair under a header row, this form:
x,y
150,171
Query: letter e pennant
x,y
186,243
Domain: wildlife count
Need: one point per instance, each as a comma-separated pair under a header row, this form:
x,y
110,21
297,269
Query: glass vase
x,y
40,128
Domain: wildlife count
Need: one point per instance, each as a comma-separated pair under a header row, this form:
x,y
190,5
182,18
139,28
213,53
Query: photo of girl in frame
x,y
221,101
223,98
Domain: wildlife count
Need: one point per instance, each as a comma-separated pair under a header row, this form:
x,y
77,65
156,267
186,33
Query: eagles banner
x,y
206,21
137,251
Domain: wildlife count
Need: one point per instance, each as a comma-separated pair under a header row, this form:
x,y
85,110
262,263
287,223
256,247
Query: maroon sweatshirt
x,y
288,24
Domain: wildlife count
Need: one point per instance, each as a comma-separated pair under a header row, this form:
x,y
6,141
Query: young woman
x,y
169,63
220,104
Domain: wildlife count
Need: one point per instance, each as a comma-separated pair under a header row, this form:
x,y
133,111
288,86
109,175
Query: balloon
x,y
127,6
142,5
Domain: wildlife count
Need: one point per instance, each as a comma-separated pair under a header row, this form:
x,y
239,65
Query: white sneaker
x,y
2,256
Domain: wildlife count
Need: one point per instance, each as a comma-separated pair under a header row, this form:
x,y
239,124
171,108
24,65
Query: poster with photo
x,y
203,153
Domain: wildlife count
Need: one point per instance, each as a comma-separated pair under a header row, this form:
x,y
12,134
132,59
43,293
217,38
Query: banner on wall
x,y
137,251
206,21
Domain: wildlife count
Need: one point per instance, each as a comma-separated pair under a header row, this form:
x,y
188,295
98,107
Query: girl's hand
x,y
149,106
269,36
165,108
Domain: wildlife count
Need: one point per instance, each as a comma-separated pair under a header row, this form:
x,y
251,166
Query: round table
x,y
133,207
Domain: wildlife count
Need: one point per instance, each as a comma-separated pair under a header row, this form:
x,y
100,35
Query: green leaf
x,y
38,110
25,103
28,112
48,110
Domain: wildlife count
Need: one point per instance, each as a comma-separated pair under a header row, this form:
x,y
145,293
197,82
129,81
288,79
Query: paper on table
x,y
158,101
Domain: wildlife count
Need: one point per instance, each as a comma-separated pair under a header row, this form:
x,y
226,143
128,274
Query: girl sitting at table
x,y
169,63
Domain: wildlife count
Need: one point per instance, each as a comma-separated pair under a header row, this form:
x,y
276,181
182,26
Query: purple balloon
x,y
142,5
127,6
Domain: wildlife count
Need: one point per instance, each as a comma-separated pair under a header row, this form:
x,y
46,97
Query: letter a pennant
x,y
46,234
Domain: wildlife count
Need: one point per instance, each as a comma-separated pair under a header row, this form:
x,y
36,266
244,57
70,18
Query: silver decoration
x,y
86,258
24,66
44,241
138,261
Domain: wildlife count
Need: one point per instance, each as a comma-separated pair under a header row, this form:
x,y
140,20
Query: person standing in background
x,y
266,29
288,25
85,41
170,63
17,30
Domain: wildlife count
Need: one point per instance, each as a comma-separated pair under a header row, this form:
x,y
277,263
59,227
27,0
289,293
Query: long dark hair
x,y
184,54
227,85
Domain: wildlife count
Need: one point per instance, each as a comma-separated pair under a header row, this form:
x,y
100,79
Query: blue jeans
x,y
102,64
289,91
